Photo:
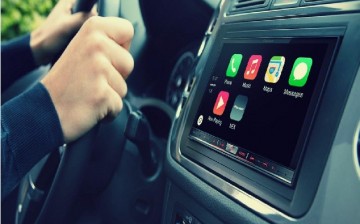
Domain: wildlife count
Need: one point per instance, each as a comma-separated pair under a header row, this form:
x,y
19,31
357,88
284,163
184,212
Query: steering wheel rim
x,y
77,160
67,180
68,177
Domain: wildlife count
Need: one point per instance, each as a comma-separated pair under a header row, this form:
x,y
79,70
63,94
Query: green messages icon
x,y
234,65
300,72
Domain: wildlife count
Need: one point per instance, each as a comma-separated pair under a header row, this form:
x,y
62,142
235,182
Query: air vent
x,y
312,2
248,5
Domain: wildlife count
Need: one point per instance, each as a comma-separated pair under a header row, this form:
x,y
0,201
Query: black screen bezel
x,y
236,173
331,43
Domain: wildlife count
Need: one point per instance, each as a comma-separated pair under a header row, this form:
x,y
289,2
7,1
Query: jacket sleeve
x,y
30,129
16,60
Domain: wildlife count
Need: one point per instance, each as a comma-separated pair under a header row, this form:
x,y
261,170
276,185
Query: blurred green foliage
x,y
22,16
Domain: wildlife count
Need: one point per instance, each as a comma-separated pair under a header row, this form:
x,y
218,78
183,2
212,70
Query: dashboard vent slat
x,y
312,2
245,5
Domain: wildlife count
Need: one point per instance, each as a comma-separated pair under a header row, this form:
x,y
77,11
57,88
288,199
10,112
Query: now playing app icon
x,y
220,104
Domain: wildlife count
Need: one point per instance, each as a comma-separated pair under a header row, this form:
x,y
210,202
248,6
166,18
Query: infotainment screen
x,y
260,99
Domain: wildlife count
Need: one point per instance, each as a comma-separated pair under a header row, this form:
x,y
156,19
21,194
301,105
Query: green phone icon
x,y
234,65
300,72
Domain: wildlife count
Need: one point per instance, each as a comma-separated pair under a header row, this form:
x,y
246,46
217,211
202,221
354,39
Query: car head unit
x,y
251,116
257,106
264,106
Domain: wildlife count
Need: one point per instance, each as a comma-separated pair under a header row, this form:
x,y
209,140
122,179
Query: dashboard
x,y
268,126
252,111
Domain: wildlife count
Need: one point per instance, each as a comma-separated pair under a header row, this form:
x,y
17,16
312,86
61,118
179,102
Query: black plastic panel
x,y
261,119
279,195
261,194
294,201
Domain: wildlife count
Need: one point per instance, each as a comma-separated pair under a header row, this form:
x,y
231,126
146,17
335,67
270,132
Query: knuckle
x,y
98,65
92,23
99,96
96,42
128,64
119,107
115,106
127,25
124,90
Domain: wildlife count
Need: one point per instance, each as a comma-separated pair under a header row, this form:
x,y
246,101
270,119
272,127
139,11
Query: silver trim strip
x,y
247,200
240,159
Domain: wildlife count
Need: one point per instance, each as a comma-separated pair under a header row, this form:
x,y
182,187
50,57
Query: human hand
x,y
87,83
48,40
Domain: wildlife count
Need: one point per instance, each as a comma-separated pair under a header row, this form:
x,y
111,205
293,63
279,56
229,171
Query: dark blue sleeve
x,y
16,60
30,129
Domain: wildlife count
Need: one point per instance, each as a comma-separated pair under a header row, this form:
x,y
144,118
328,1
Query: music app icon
x,y
252,67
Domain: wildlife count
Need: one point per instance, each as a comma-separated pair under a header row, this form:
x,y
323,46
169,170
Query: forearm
x,y
30,129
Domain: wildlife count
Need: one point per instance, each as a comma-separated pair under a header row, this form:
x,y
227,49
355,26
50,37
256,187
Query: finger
x,y
120,58
94,10
127,45
115,104
118,29
115,79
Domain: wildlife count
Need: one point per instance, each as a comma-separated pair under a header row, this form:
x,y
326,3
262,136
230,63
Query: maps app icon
x,y
275,67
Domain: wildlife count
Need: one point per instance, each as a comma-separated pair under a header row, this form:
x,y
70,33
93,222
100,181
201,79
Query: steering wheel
x,y
73,161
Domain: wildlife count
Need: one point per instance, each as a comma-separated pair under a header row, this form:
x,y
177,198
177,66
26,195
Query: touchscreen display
x,y
257,106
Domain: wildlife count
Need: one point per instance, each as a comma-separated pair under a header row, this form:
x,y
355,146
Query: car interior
x,y
238,111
